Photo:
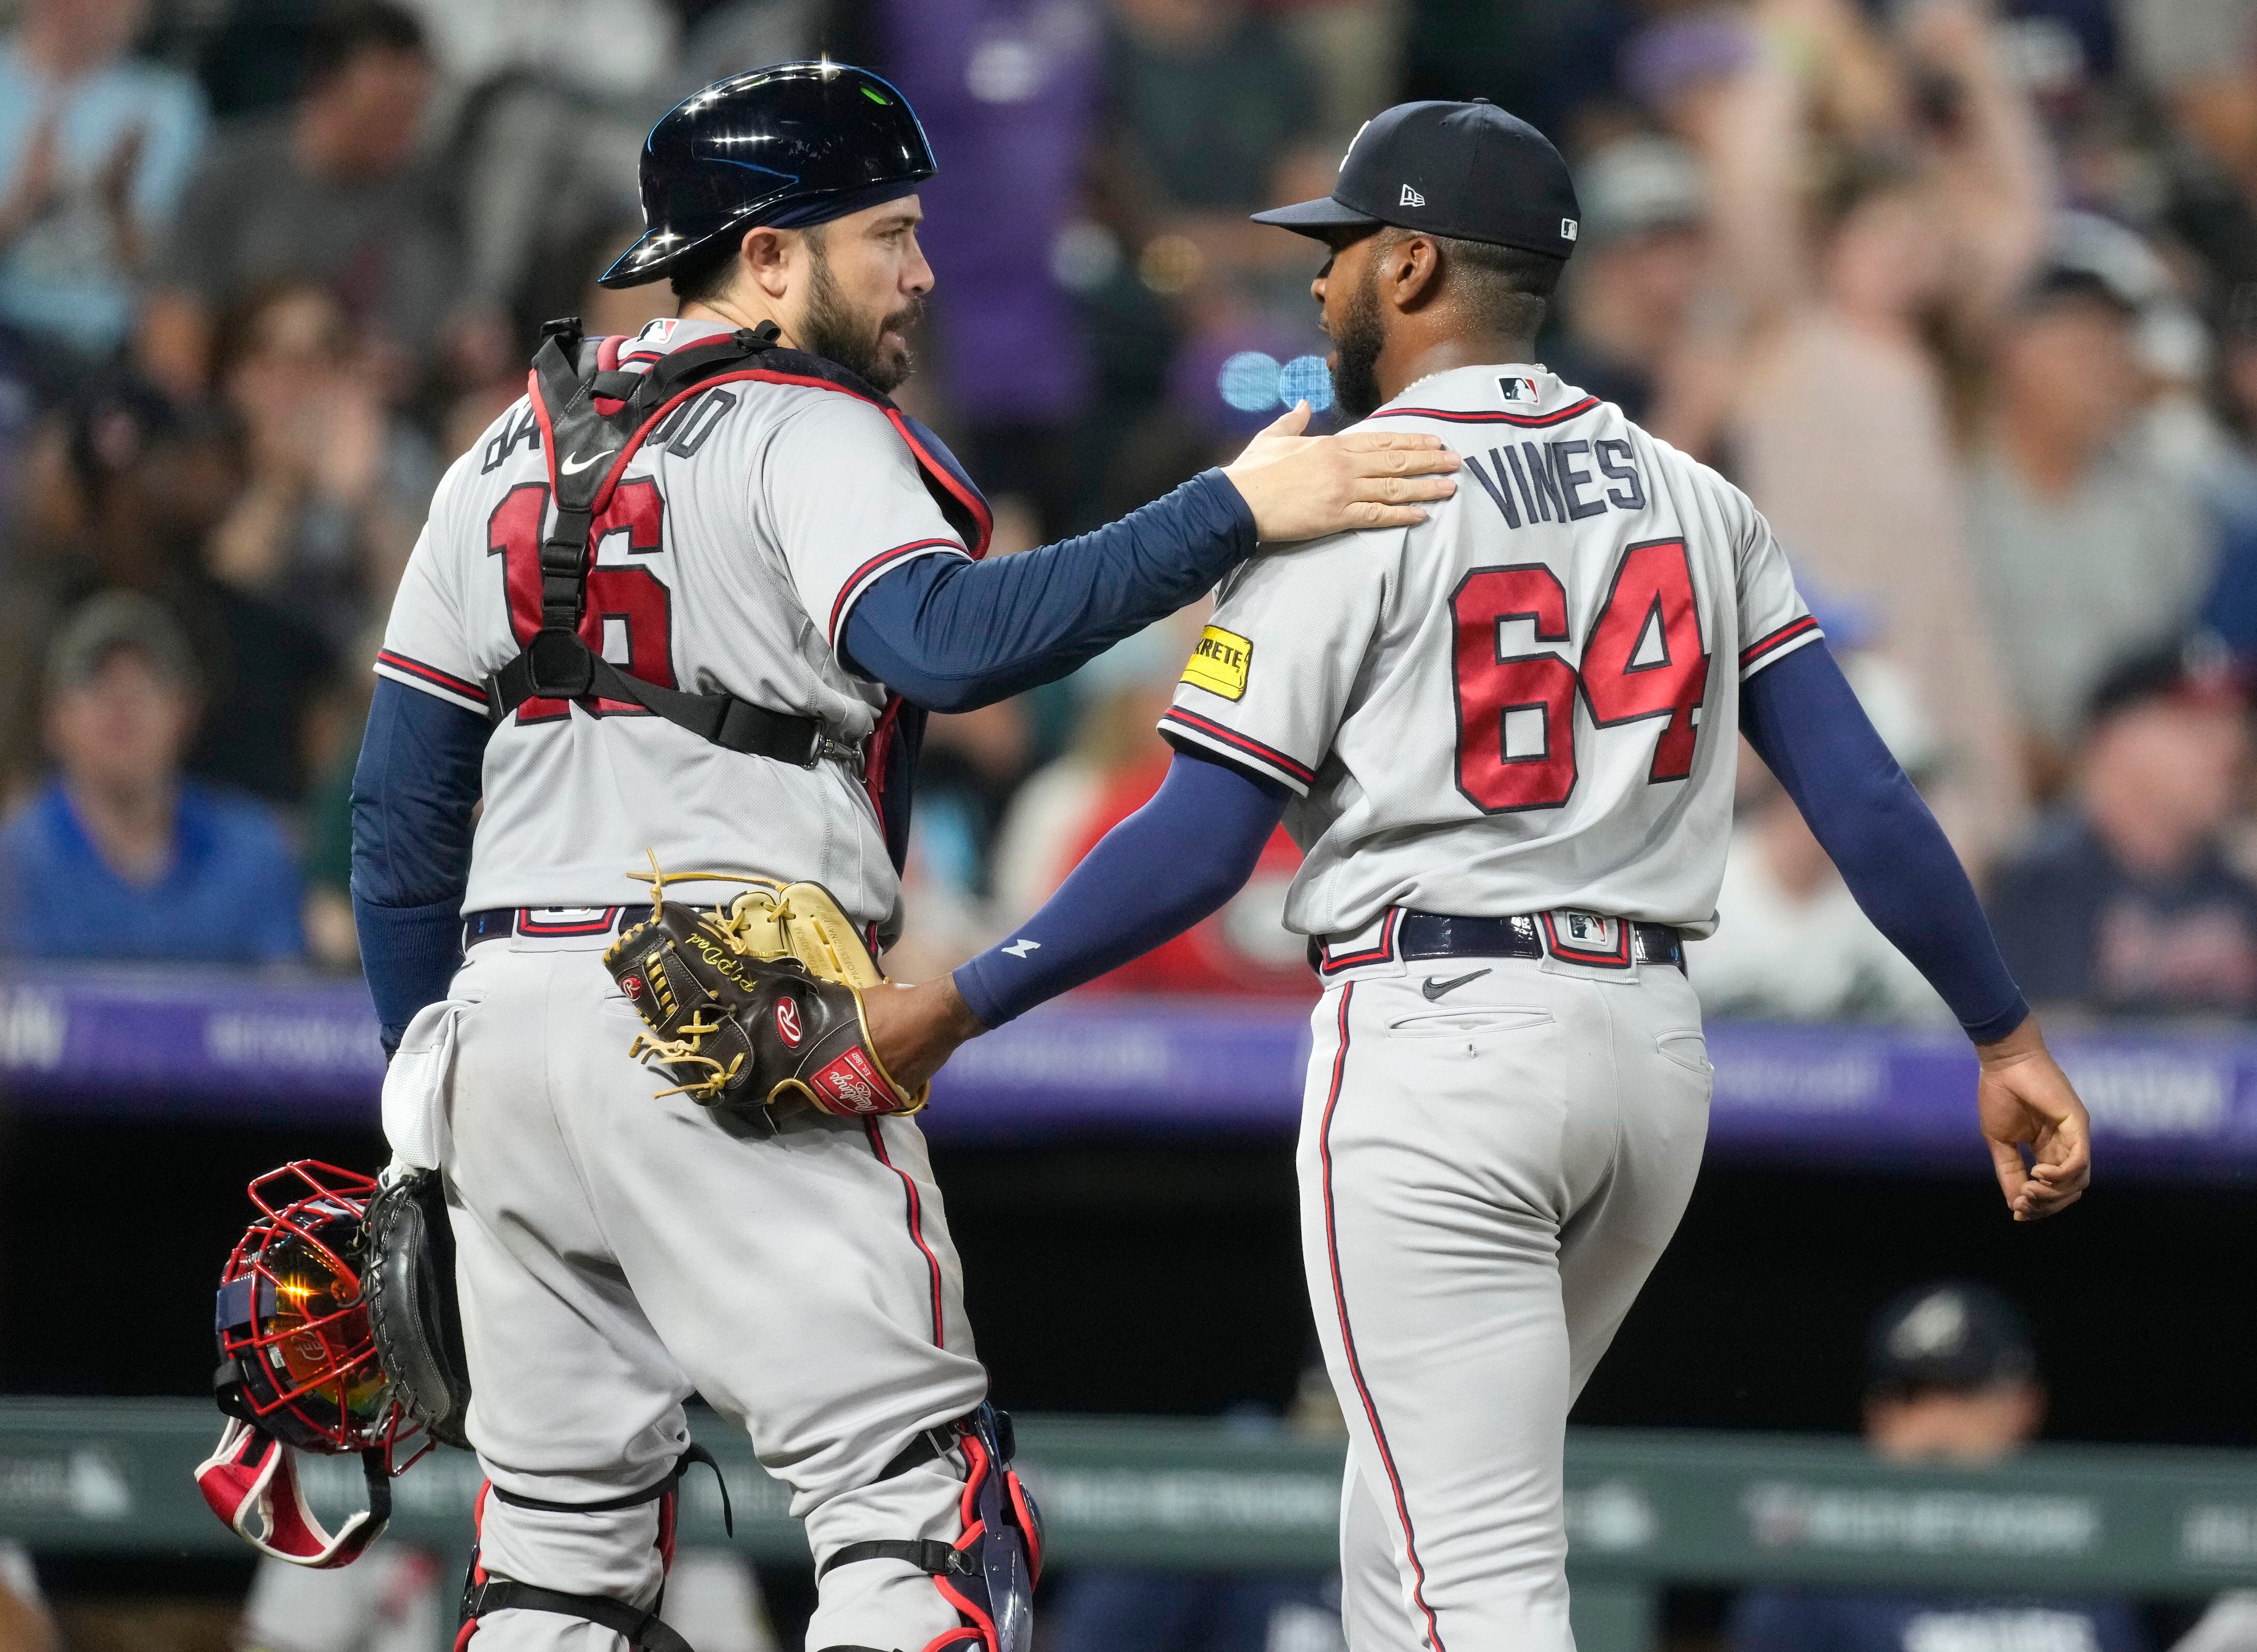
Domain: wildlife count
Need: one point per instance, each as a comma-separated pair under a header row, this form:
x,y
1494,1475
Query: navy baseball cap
x,y
1953,1335
1469,171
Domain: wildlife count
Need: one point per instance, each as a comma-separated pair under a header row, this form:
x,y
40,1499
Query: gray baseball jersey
x,y
729,558
1525,703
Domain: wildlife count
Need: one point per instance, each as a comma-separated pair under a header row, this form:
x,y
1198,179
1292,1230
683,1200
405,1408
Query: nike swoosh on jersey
x,y
1433,990
573,466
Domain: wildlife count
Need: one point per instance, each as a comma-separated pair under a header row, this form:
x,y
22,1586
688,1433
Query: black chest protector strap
x,y
586,450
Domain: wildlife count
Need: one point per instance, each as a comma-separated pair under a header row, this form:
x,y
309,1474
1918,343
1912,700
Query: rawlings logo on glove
x,y
756,1002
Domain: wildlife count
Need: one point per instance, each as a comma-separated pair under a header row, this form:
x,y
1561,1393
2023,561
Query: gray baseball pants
x,y
616,1252
1487,1178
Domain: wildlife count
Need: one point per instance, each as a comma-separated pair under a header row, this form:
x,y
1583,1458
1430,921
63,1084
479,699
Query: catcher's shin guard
x,y
643,1631
988,1573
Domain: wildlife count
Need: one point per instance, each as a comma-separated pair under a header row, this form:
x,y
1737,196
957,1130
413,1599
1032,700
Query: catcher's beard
x,y
1358,341
838,332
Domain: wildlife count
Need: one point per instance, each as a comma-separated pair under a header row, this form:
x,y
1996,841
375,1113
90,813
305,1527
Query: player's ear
x,y
765,258
1413,273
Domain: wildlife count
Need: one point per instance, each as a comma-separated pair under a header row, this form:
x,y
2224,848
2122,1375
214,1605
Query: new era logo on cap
x,y
1488,176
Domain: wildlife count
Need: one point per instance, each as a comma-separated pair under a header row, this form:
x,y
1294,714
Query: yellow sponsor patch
x,y
1219,663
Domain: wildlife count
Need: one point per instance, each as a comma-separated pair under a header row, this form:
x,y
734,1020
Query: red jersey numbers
x,y
1516,712
627,617
1644,659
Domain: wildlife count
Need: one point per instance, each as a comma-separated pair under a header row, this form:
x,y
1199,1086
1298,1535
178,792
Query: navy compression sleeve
x,y
1152,877
948,634
414,792
1803,719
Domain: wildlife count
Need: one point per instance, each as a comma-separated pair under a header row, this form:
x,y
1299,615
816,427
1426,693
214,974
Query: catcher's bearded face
x,y
866,287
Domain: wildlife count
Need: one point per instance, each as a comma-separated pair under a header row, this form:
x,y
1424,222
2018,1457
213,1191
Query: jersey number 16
x,y
628,615
1651,598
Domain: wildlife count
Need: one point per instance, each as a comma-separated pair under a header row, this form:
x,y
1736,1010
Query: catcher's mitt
x,y
758,1002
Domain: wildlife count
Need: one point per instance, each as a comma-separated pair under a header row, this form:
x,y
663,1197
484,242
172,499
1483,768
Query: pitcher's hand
x,y
915,1030
1304,487
2024,1099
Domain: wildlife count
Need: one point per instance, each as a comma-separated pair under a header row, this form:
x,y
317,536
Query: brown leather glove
x,y
759,1003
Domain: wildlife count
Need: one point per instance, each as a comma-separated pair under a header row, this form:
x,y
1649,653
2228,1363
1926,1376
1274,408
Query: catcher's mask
x,y
298,1368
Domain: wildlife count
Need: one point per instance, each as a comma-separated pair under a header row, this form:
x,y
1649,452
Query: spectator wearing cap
x,y
2090,542
96,147
1639,264
329,189
1951,1379
128,489
119,856
2127,903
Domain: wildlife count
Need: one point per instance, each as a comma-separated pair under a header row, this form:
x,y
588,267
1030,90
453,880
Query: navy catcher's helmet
x,y
791,145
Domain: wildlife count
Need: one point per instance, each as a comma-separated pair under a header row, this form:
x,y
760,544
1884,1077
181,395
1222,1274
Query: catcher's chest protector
x,y
593,422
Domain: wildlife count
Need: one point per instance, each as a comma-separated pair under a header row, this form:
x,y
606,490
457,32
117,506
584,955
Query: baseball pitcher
x,y
1504,738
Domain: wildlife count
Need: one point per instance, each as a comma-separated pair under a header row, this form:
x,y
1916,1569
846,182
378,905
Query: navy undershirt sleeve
x,y
414,792
1804,720
949,634
1149,878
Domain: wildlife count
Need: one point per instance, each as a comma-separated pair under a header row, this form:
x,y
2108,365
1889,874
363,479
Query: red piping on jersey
x,y
855,580
1347,1336
940,473
1378,954
1526,421
981,514
1252,747
1785,634
917,1224
968,498
431,674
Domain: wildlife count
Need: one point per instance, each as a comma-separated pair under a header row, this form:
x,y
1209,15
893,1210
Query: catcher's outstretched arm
x,y
947,633
414,792
1149,878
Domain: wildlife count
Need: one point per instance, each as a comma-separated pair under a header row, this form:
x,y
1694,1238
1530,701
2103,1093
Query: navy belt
x,y
1577,937
496,923
549,923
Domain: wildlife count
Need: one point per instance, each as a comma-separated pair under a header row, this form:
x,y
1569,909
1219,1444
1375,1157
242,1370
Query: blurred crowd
x,y
1963,293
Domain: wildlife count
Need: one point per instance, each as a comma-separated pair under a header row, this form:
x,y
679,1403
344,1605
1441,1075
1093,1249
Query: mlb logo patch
x,y
1586,937
1567,229
1519,393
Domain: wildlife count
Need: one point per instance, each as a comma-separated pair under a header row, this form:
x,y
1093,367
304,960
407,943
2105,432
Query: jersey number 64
x,y
1643,659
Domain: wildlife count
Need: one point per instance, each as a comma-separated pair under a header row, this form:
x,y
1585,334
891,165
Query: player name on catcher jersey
x,y
738,540
1529,701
